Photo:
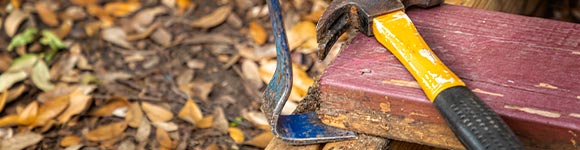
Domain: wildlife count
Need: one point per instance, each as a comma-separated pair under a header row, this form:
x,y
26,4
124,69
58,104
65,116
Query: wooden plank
x,y
525,68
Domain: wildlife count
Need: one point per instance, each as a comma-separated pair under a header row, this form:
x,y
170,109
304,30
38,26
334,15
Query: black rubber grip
x,y
475,124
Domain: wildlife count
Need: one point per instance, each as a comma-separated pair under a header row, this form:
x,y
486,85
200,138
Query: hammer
x,y
475,124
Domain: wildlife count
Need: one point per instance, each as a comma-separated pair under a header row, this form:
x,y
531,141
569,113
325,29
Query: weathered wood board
x,y
527,69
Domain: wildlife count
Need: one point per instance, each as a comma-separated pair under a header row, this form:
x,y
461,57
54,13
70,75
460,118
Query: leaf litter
x,y
137,75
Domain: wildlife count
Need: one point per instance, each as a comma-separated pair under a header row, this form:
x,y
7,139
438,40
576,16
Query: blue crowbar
x,y
295,129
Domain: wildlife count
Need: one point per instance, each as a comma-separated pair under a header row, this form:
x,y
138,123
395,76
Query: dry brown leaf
x,y
9,120
74,147
143,131
258,33
15,92
84,2
143,34
70,140
264,52
73,13
251,72
257,118
13,21
28,115
164,139
15,4
113,104
300,84
107,132
91,28
127,145
156,113
21,141
214,18
167,126
162,36
134,115
47,15
146,16
105,19
3,98
220,123
183,5
313,16
262,140
116,36
236,134
302,34
190,112
205,122
51,109
120,9
64,29
79,101
5,60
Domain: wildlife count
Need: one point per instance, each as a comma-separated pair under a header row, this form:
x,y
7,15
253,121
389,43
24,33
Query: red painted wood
x,y
496,52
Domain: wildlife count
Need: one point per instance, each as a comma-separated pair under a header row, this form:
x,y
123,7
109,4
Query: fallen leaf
x,y
120,9
134,115
74,13
28,115
80,102
263,52
9,78
251,72
190,112
213,19
51,109
183,5
144,34
164,139
107,132
92,27
258,33
156,113
236,134
116,36
169,3
205,122
167,126
70,140
289,107
9,120
47,15
300,84
314,16
41,76
3,98
15,4
5,61
126,145
84,2
50,39
112,104
23,38
162,36
257,118
15,92
74,147
21,141
262,140
13,21
64,29
302,34
105,19
146,16
220,123
143,131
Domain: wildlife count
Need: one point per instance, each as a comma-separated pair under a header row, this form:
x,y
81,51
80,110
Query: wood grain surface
x,y
527,69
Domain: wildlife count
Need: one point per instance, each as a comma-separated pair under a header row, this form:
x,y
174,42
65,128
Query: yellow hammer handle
x,y
398,34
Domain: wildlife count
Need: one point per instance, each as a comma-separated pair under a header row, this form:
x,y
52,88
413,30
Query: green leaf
x,y
41,76
9,78
51,40
23,38
23,63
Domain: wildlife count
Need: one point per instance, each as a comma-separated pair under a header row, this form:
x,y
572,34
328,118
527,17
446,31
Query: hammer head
x,y
345,14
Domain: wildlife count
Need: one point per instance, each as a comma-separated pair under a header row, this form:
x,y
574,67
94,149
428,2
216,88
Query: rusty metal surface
x,y
347,14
